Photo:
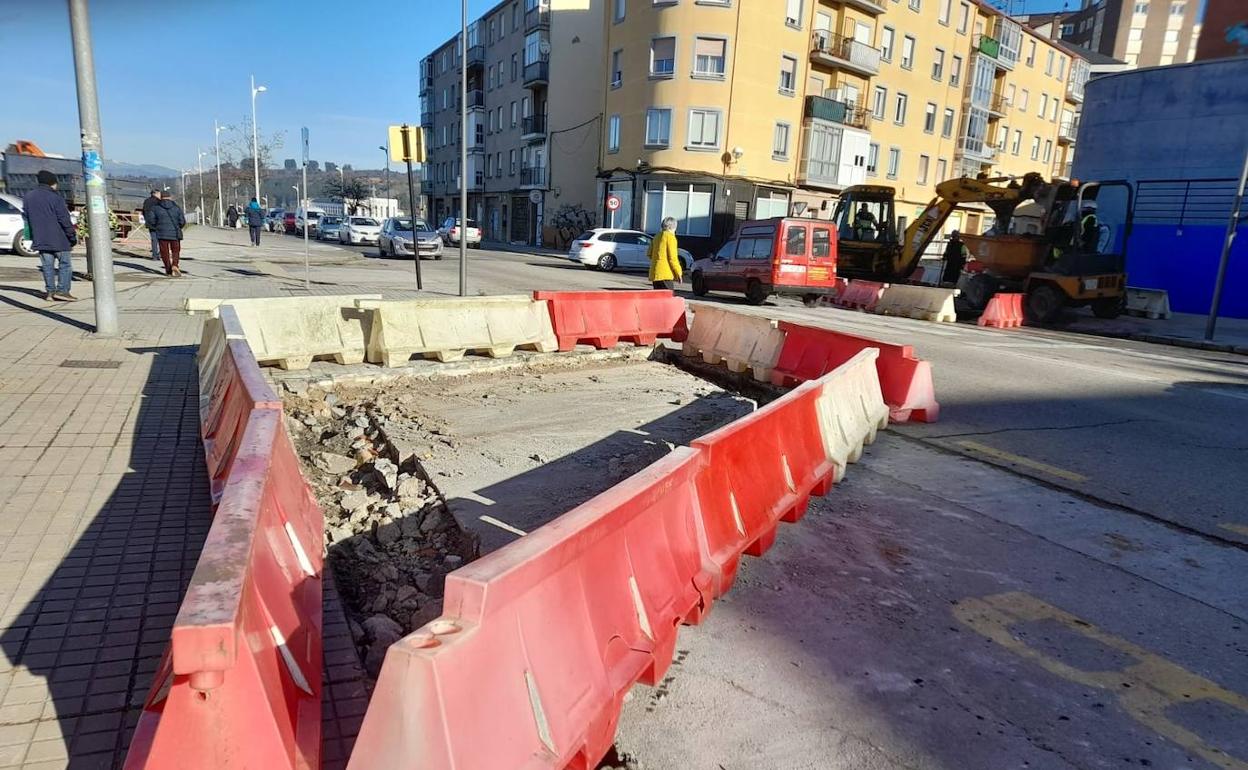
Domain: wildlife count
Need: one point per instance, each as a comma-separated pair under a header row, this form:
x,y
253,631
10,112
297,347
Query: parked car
x,y
308,220
273,221
607,248
288,222
327,228
450,232
784,255
13,226
359,230
397,239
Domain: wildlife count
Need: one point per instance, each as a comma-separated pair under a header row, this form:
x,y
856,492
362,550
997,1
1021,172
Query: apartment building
x,y
717,111
1143,33
529,65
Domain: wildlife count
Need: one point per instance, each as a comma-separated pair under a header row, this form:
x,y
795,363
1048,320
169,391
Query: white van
x,y
308,218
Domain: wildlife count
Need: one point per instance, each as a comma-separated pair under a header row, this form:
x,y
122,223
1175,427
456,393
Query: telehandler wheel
x,y
1109,307
1044,302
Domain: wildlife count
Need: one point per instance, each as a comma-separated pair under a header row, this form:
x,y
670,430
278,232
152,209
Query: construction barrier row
x,y
860,295
240,683
1148,303
742,342
541,640
926,303
605,318
292,331
446,329
1003,311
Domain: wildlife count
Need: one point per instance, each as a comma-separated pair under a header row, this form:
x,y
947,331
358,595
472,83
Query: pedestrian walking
x,y
231,216
955,258
255,221
148,203
665,269
167,221
52,234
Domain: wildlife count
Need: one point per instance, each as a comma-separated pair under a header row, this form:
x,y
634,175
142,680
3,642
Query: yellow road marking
x,y
1009,457
1145,689
1239,529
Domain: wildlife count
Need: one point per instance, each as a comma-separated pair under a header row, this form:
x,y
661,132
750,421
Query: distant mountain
x,y
132,170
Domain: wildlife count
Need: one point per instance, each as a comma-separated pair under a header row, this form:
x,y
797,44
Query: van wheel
x,y
1108,307
755,294
810,300
607,263
23,247
699,284
1044,302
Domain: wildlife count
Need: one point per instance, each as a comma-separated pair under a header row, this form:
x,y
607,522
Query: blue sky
x,y
167,68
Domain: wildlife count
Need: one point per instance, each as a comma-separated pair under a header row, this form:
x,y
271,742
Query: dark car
x,y
288,222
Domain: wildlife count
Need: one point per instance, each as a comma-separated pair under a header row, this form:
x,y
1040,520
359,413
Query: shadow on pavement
x,y
44,312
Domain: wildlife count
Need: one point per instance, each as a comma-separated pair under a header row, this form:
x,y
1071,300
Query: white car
x,y
308,220
12,227
359,230
450,232
606,248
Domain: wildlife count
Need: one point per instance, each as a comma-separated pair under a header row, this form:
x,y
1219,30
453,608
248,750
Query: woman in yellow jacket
x,y
665,268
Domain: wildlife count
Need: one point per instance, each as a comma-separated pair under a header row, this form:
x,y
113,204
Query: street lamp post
x,y
255,139
216,129
386,149
463,152
342,187
202,211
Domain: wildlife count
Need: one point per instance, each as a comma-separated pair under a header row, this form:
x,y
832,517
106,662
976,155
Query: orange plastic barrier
x,y
238,388
240,686
809,353
760,470
603,318
1004,311
861,295
540,640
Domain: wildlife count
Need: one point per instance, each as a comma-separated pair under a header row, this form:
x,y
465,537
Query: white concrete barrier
x,y
446,329
738,340
291,331
851,408
1148,303
218,330
928,303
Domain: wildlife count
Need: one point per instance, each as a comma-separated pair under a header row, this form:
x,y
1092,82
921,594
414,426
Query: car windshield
x,y
330,221
314,215
364,221
588,235
402,224
423,226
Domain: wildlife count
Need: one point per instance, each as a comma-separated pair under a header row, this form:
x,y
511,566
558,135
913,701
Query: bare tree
x,y
352,192
236,144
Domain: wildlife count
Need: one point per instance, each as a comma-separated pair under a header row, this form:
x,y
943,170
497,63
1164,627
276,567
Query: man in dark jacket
x,y
955,259
255,221
167,221
52,232
148,203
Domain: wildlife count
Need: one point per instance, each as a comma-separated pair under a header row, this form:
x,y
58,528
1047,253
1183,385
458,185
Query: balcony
x,y
426,85
533,128
537,74
426,119
537,18
998,105
834,50
476,100
976,149
989,46
1061,170
476,56
867,6
1068,131
533,177
837,112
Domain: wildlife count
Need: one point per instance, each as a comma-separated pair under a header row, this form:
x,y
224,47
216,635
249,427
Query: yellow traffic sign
x,y
407,143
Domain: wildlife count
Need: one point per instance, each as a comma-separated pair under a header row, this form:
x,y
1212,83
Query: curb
x,y
1161,339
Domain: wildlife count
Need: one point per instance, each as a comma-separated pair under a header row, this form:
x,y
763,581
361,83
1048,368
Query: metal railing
x,y
536,18
998,104
476,99
860,55
537,72
533,124
533,176
1069,130
476,56
838,112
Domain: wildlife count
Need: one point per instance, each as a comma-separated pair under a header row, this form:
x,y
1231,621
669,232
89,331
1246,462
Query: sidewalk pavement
x,y
1181,330
104,506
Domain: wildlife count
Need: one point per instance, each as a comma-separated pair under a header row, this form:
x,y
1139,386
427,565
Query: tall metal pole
x,y
307,269
1231,228
99,236
386,150
411,194
463,151
216,130
202,212
255,134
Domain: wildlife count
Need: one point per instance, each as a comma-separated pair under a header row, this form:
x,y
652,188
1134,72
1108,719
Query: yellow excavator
x,y
1060,243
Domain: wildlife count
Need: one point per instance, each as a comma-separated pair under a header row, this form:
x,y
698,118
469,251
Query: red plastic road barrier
x,y
240,686
540,640
809,353
603,318
1004,311
760,470
238,388
860,294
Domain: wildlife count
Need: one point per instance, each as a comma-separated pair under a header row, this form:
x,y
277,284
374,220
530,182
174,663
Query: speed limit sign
x,y
613,203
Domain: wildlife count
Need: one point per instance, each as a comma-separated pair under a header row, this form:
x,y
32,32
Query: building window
x,y
511,163
689,204
894,162
1141,7
1061,68
873,159
886,43
1022,99
938,64
788,75
1017,145
703,129
964,17
515,66
923,163
770,204
955,71
658,127
613,133
942,168
515,16
899,109
946,127
1048,149
907,52
1048,63
880,103
1053,110
1035,148
617,69
916,5
793,13
663,57
1044,104
929,118
1178,9
780,142
943,14
709,57
618,9
1031,53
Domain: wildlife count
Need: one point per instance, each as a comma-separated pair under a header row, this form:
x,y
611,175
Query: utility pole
x,y
202,213
216,129
386,149
463,153
307,269
255,135
1231,228
99,236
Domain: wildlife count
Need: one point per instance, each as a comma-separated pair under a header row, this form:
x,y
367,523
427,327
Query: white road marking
x,y
502,525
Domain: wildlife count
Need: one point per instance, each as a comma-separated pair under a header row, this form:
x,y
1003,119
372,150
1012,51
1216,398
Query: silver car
x,y
13,226
398,240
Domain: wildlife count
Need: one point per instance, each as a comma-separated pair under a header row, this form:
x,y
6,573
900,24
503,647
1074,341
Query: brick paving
x,y
104,507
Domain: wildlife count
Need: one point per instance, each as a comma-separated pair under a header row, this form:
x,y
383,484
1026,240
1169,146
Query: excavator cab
x,y
866,231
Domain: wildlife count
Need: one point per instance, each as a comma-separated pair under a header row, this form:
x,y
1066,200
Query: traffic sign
x,y
613,203
407,143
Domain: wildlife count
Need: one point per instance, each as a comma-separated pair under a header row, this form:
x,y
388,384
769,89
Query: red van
x,y
785,255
